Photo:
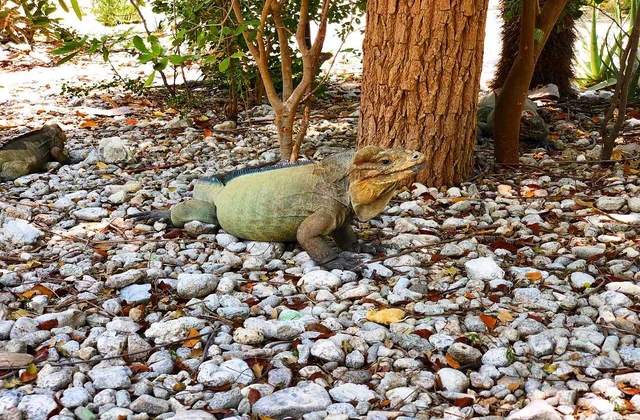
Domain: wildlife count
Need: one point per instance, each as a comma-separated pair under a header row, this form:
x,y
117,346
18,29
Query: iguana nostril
x,y
416,156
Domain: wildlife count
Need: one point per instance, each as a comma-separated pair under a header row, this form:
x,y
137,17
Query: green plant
x,y
114,12
602,68
22,20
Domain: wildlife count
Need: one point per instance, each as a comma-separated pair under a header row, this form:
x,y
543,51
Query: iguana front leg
x,y
346,238
59,154
311,234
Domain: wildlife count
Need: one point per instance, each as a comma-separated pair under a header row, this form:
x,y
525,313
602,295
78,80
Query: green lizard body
x,y
30,152
302,202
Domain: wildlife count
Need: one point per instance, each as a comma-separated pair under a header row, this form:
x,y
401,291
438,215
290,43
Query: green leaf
x,y
105,53
63,5
538,35
176,60
162,64
67,58
238,54
150,79
139,44
224,64
76,8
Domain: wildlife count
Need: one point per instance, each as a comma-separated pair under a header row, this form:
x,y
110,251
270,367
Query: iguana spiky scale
x,y
302,202
30,152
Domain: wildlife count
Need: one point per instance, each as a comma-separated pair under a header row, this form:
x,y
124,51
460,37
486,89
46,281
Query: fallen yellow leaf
x,y
505,316
386,316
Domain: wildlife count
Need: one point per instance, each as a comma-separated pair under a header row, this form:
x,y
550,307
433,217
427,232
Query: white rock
x,y
196,285
351,392
606,203
626,287
327,350
294,402
319,279
582,280
173,330
484,268
113,150
20,232
37,407
453,380
116,377
91,214
536,410
240,370
247,336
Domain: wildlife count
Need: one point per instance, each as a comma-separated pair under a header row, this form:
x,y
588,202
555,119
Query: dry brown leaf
x,y
37,290
253,396
451,361
489,321
505,316
192,341
533,275
89,123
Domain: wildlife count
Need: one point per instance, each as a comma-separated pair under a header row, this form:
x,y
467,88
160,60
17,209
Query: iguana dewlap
x,y
30,152
303,202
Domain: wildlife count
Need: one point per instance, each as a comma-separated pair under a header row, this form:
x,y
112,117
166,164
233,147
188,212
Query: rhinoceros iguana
x,y
302,201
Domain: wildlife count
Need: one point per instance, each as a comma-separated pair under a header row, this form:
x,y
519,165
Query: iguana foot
x,y
150,216
544,143
342,262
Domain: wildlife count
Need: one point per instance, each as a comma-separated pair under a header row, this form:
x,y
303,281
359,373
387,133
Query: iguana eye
x,y
386,161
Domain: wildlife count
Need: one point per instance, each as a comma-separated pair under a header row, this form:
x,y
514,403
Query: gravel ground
x,y
515,294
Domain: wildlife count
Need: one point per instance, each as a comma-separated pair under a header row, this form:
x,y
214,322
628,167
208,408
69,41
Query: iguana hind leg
x,y
181,213
14,169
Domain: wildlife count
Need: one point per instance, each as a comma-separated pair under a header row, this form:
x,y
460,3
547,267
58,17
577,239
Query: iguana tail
x,y
202,207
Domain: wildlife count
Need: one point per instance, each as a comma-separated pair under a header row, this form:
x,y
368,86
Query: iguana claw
x,y
150,216
343,263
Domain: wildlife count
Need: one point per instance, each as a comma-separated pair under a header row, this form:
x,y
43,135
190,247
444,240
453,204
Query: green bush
x,y
114,12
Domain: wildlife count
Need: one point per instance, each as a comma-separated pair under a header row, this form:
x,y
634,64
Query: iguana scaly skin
x,y
533,129
303,202
30,152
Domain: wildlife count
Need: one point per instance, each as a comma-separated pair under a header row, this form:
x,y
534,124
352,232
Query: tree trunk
x,y
555,64
284,124
420,82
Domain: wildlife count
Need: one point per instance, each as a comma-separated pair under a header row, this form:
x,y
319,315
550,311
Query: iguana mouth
x,y
419,167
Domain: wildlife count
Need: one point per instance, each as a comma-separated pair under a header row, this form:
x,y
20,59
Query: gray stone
x,y
606,203
484,268
37,407
453,380
120,280
496,357
327,350
536,410
115,377
150,405
630,355
541,345
351,392
464,354
196,285
293,402
229,399
20,232
113,150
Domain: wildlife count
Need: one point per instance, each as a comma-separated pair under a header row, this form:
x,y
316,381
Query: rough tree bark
x,y
509,104
420,82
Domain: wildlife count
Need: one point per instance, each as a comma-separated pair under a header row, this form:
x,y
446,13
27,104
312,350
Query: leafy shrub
x,y
114,12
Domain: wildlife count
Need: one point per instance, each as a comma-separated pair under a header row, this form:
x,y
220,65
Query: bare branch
x,y
285,52
259,52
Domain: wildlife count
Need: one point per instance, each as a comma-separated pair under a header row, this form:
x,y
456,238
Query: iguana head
x,y
376,173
